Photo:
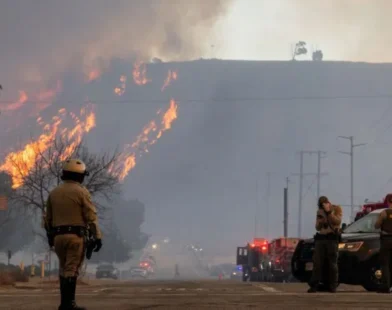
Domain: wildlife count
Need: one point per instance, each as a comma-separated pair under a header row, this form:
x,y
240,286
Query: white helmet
x,y
75,165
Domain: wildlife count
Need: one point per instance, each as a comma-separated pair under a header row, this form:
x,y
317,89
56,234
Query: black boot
x,y
64,294
72,288
312,289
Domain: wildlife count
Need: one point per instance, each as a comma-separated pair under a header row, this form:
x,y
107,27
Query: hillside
x,y
238,120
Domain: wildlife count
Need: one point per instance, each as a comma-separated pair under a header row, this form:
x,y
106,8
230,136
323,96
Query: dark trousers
x,y
386,261
325,256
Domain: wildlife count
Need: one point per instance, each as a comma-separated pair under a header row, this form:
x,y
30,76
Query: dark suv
x,y
358,255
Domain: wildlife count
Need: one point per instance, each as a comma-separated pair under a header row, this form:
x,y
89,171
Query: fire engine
x,y
280,253
254,260
369,207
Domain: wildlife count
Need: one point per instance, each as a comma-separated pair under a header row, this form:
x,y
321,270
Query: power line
x,y
301,175
351,154
243,99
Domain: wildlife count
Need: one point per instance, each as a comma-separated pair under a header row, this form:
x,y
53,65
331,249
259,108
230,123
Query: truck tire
x,y
370,281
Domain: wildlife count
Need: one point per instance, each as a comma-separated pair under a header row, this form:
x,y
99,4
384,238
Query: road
x,y
206,294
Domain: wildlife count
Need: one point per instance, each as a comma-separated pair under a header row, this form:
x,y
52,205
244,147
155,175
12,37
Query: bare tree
x,y
38,179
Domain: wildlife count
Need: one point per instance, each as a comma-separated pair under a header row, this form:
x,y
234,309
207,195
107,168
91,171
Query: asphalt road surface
x,y
208,294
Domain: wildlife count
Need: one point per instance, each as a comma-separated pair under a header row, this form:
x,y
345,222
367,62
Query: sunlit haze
x,y
348,30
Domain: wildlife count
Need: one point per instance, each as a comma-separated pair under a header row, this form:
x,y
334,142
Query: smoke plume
x,y
41,38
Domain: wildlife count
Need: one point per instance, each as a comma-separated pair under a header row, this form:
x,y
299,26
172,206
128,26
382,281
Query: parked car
x,y
107,271
236,273
139,272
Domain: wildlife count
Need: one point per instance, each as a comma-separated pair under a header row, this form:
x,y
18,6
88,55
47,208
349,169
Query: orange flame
x,y
18,104
170,115
76,134
121,89
139,73
43,99
46,97
93,75
146,139
19,164
171,76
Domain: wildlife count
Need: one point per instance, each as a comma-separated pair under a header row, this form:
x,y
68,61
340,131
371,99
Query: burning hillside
x,y
74,126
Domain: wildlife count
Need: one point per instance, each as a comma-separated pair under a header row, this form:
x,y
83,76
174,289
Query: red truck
x,y
253,259
369,207
280,253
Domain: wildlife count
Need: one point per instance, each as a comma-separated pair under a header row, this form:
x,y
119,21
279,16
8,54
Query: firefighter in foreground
x,y
328,221
384,222
70,212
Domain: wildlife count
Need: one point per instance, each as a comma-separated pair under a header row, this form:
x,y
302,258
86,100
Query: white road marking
x,y
127,295
267,288
101,290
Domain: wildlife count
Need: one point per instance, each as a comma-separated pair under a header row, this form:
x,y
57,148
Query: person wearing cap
x,y
384,222
328,221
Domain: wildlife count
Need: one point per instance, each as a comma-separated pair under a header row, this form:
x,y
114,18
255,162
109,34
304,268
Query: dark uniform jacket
x,y
334,219
384,222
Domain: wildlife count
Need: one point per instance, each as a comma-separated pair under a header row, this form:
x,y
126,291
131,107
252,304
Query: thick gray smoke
x,y
39,39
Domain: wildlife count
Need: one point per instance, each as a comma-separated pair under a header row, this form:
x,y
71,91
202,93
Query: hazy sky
x,y
354,30
83,36
201,178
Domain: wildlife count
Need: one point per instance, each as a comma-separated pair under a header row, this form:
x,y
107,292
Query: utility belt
x,y
70,230
329,237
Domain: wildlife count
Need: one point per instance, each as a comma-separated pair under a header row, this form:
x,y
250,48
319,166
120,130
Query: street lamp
x,y
154,246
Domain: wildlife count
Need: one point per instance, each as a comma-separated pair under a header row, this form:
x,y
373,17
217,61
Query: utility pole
x,y
268,192
351,154
301,175
9,255
285,209
319,153
257,209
